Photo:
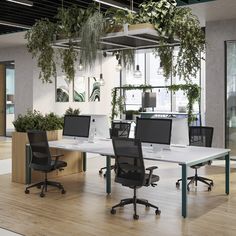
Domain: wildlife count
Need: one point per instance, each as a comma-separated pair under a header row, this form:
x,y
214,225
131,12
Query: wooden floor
x,y
85,209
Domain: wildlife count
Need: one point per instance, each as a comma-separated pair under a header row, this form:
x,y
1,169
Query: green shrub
x,y
34,120
71,111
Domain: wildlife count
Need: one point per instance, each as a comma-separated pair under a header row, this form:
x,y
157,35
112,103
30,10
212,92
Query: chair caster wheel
x,y
135,217
63,191
209,189
188,189
212,184
39,187
27,191
177,184
158,212
104,175
100,172
113,211
42,194
147,206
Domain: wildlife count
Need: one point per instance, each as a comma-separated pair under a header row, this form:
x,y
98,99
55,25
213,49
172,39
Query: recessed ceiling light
x,y
7,23
22,2
112,4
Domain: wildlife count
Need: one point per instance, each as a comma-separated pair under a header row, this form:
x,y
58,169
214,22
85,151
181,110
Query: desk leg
x,y
184,190
108,175
84,161
227,173
28,156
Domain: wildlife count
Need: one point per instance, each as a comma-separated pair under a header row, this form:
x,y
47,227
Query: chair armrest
x,y
57,157
151,168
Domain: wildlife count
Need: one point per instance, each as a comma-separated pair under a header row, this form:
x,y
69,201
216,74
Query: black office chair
x,y
121,130
199,136
42,161
131,172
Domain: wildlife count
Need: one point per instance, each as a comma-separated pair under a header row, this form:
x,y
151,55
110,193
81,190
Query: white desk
x,y
185,157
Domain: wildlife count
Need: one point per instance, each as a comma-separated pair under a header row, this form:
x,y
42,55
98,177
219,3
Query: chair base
x,y
195,179
135,201
43,185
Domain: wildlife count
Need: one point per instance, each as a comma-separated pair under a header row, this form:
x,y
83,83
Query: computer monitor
x,y
180,133
99,126
76,126
154,131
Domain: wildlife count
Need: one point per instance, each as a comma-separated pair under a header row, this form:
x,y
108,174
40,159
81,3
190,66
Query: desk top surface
x,y
189,155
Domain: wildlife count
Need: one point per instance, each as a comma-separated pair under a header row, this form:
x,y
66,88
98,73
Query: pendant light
x,y
101,80
81,67
137,72
119,66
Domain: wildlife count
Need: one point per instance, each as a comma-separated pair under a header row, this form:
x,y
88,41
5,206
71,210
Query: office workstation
x,y
117,117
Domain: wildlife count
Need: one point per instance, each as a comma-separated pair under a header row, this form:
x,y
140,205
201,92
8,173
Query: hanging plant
x,y
192,92
127,57
172,22
90,35
69,58
39,39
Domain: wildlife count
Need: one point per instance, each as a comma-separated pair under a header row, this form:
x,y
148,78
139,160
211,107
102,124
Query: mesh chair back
x,y
39,147
200,136
129,160
120,129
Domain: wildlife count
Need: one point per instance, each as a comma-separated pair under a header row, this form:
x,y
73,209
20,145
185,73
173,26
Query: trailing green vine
x,y
39,38
192,92
117,102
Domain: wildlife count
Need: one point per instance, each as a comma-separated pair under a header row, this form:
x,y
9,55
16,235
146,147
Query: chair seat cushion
x,y
199,165
155,178
52,166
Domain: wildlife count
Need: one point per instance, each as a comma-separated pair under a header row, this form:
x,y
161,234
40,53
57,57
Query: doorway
x,y
7,94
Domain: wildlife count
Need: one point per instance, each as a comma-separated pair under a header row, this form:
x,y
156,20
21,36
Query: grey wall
x,y
23,76
216,33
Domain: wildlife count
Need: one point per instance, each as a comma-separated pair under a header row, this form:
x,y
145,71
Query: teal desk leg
x,y
108,175
28,155
184,190
227,173
84,161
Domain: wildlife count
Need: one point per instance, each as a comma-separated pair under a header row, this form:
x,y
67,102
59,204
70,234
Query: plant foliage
x,y
39,38
34,120
193,95
71,111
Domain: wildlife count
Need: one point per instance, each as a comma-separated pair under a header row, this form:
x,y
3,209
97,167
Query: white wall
x,y
23,76
216,33
31,93
44,94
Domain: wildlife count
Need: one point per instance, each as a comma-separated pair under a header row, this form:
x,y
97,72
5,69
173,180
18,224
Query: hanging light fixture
x,y
119,66
101,80
81,67
22,2
160,69
137,72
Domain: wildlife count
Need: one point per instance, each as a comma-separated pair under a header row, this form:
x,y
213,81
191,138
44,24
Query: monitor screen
x,y
154,130
77,126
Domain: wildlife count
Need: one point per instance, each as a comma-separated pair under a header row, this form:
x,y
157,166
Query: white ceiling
x,y
210,11
215,10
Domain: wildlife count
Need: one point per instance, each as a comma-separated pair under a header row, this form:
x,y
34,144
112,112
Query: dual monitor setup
x,y
158,133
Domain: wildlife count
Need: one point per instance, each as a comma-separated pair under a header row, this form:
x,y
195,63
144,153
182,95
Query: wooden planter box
x,y
19,165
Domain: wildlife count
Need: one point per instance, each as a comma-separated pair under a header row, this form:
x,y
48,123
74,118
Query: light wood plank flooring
x,y
85,209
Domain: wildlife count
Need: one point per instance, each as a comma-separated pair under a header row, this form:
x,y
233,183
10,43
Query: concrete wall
x,y
216,33
23,76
